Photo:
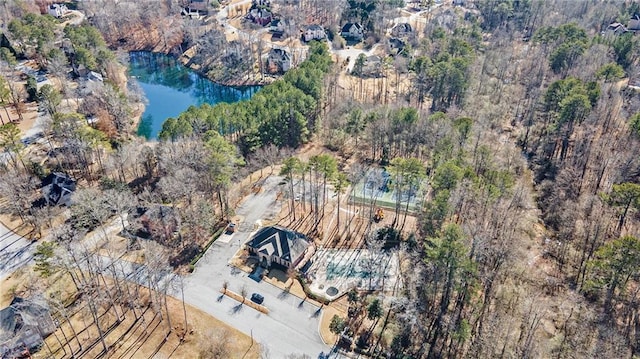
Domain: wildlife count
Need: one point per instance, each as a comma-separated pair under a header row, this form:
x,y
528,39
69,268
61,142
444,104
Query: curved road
x,y
15,251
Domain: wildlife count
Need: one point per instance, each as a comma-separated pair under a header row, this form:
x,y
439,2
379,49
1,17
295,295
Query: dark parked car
x,y
231,228
255,297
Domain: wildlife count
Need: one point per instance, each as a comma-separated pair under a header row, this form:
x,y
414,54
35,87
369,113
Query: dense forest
x,y
522,116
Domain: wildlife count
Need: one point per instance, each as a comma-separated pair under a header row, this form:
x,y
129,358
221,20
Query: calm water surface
x,y
170,88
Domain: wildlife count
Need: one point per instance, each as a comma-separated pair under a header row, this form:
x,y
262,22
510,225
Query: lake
x,y
170,88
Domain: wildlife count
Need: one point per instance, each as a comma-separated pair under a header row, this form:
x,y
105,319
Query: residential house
x,y
634,23
23,326
94,76
352,31
57,189
372,66
615,28
192,13
198,5
314,32
396,45
57,10
401,29
260,15
276,27
158,222
279,245
80,70
195,9
278,61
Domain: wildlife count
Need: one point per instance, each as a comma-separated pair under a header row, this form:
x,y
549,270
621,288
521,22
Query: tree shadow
x,y
236,309
284,294
220,298
235,271
316,313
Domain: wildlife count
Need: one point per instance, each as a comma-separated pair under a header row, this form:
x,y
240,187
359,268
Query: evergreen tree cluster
x,y
282,113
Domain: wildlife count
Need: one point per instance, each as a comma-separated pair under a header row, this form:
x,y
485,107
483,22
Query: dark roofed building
x,y
401,29
278,61
352,31
57,189
23,326
260,15
615,28
276,27
396,45
280,245
634,23
200,5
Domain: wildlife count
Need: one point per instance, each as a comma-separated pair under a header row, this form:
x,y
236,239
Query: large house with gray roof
x,y
23,326
275,244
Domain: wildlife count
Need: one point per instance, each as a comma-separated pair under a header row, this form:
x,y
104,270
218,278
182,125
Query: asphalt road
x,y
15,251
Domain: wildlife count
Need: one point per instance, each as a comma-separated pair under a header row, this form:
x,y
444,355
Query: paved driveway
x,y
15,251
291,325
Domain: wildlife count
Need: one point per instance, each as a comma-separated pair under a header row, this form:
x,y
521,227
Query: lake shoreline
x,y
170,88
186,58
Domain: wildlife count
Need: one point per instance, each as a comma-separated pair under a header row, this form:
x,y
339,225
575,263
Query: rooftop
x,y
280,242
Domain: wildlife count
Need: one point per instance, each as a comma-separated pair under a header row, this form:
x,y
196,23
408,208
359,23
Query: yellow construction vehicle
x,y
379,215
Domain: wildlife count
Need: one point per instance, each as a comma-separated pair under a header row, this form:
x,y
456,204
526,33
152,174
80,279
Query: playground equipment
x,y
379,215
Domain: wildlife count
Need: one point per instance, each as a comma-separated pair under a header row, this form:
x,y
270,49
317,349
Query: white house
x,y
57,10
314,32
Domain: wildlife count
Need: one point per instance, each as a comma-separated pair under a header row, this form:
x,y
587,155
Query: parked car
x,y
257,298
231,228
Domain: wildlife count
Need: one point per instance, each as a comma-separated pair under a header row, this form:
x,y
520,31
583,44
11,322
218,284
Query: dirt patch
x,y
16,225
28,117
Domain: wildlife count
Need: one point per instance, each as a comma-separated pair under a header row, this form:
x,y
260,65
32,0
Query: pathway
x,y
15,251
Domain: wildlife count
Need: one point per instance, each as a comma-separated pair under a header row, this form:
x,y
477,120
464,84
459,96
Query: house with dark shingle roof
x,y
275,244
276,27
352,31
57,189
260,15
401,29
278,61
23,326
